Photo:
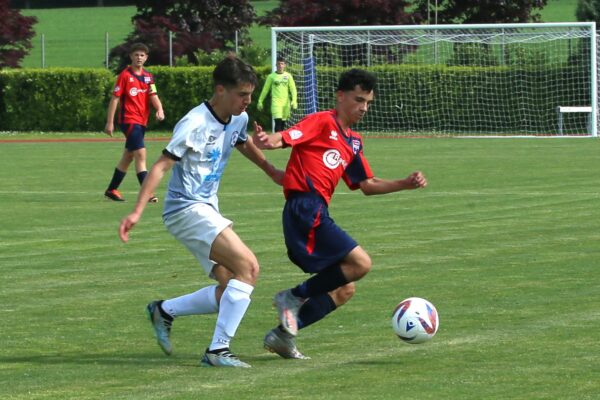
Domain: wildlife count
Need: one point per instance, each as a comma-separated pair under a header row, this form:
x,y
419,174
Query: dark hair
x,y
139,47
349,79
231,71
280,59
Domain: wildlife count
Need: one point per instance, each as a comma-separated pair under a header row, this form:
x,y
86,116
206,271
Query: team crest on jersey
x,y
234,138
117,88
333,135
355,145
295,134
130,79
146,79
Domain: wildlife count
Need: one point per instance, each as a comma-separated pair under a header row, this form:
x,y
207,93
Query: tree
x,y
588,10
478,12
196,25
346,13
16,32
481,11
340,13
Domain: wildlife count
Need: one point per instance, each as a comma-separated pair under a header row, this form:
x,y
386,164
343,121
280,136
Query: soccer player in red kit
x,y
324,150
133,93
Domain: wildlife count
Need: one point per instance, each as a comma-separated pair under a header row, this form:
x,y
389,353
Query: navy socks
x,y
141,176
315,309
116,179
325,281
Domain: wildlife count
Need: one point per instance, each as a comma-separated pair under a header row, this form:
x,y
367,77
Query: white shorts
x,y
197,227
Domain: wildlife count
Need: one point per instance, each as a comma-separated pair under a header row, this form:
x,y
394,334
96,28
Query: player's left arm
x,y
293,92
264,141
156,103
254,154
374,185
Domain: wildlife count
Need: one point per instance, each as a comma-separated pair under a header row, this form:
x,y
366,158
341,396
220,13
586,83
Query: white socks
x,y
203,301
234,303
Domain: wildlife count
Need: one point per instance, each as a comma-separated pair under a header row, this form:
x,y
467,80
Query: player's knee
x,y
125,160
343,294
249,270
362,263
356,265
139,155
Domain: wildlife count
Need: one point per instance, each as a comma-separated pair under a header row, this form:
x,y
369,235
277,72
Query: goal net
x,y
457,80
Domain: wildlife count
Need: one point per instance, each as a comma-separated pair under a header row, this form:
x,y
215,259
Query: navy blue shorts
x,y
314,242
134,135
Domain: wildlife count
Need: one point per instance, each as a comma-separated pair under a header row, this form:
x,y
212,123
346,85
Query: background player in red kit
x,y
133,93
324,150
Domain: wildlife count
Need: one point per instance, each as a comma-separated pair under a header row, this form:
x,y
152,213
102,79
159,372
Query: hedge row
x,y
53,100
409,98
74,99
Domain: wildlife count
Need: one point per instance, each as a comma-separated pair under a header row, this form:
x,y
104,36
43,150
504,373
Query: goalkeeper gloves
x,y
294,105
259,106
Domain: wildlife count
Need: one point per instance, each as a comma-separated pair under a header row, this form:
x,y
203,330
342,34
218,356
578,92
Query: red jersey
x,y
322,153
134,93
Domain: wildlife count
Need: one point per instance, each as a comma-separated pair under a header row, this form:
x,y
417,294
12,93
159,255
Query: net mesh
x,y
462,81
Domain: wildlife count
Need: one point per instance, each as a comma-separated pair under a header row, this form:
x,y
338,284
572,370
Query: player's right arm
x,y
264,92
110,116
119,89
158,170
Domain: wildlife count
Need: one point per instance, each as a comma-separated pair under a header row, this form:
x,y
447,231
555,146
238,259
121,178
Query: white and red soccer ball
x,y
415,320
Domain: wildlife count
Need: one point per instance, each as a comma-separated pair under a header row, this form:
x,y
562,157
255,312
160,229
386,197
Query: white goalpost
x,y
453,80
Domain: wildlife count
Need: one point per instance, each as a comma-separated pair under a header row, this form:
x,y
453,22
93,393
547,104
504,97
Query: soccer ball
x,y
415,320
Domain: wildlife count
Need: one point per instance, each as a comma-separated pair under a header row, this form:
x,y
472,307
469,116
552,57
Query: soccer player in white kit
x,y
198,152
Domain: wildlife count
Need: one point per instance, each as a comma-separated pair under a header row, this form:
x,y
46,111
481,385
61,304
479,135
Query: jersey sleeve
x,y
180,140
357,171
120,85
152,86
243,136
306,130
293,91
266,88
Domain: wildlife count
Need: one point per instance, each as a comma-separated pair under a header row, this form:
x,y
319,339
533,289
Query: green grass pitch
x,y
504,242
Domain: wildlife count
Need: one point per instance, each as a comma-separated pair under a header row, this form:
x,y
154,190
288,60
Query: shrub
x,y
61,99
73,99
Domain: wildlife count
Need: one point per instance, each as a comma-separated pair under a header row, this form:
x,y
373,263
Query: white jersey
x,y
201,145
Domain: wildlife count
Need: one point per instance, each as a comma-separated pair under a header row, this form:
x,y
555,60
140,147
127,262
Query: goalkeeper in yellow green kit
x,y
283,94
